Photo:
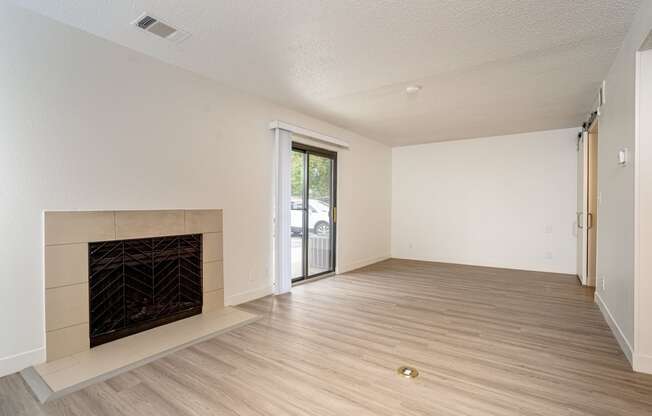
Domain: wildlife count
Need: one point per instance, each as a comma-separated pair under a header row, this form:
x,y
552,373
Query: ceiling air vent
x,y
161,29
146,22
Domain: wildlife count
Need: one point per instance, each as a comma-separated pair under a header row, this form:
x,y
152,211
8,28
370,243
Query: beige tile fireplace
x,y
67,235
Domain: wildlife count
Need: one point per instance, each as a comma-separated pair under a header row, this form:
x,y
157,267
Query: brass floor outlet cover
x,y
408,372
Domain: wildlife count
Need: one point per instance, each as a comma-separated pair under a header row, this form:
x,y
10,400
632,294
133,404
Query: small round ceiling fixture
x,y
413,89
408,372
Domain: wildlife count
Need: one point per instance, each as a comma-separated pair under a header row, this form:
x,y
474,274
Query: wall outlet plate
x,y
623,156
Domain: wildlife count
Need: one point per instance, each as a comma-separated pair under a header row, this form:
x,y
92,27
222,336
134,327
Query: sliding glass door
x,y
313,211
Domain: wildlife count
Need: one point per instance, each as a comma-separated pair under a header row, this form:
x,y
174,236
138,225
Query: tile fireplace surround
x,y
67,235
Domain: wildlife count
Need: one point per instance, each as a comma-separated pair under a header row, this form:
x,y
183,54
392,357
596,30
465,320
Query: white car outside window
x,y
318,217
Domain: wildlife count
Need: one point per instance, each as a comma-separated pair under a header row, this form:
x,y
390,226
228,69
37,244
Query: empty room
x,y
325,207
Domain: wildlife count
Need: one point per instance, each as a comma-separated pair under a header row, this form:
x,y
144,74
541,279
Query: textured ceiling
x,y
487,67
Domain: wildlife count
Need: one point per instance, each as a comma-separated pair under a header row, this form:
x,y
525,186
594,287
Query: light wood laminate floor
x,y
486,341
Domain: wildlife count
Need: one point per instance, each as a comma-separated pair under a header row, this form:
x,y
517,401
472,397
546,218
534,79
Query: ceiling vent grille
x,y
161,29
146,22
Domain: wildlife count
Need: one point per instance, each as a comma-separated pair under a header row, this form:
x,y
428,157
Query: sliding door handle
x,y
589,217
580,222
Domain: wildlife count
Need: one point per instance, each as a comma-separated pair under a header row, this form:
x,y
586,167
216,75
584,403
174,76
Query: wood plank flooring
x,y
486,341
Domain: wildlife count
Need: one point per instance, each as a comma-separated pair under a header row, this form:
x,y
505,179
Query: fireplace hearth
x,y
138,284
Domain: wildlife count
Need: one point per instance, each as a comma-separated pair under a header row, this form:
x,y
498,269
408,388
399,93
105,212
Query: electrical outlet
x,y
623,156
548,229
548,255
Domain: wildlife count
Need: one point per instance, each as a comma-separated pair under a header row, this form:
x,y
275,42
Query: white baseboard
x,y
615,329
643,363
248,296
15,363
362,263
509,266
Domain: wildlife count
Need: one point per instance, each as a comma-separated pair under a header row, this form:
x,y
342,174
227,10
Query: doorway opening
x,y
313,211
588,197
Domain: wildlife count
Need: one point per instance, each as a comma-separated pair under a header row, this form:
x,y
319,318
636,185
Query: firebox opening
x,y
139,284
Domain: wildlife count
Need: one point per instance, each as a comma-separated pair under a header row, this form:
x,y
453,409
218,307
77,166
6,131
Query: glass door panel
x,y
320,210
297,213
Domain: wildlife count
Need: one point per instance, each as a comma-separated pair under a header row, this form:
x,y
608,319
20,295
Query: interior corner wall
x,y
615,285
505,201
87,124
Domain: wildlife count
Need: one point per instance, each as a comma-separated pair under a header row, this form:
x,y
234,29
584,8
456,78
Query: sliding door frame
x,y
308,150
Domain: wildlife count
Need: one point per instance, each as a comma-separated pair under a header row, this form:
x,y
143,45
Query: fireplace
x,y
138,284
110,274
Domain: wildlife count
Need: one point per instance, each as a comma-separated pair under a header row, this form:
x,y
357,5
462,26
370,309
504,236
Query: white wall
x,y
643,284
86,124
615,264
505,201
